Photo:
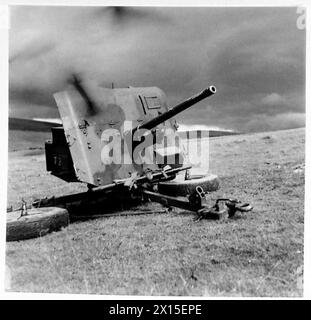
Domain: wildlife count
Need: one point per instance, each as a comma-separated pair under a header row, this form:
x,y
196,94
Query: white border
x,y
307,220
4,24
4,139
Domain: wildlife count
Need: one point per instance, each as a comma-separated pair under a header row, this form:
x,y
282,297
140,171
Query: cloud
x,y
256,61
272,99
280,121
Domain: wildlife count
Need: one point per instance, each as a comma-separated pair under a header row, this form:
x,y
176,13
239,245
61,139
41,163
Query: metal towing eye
x,y
196,202
231,206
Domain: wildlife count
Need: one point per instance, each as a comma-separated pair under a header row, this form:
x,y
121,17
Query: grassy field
x,y
258,254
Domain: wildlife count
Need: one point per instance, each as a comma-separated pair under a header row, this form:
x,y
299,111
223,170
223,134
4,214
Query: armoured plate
x,y
86,123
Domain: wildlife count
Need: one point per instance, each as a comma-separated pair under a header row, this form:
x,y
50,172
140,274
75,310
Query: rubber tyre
x,y
181,187
37,223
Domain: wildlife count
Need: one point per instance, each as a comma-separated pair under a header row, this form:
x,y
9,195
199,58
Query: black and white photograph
x,y
156,151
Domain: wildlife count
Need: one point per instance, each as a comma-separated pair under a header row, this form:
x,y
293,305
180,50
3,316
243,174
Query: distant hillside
x,y
43,126
205,133
31,125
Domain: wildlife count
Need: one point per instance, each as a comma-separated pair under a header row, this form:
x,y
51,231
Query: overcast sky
x,y
254,56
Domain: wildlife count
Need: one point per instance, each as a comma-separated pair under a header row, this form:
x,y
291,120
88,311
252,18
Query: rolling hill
x,y
257,254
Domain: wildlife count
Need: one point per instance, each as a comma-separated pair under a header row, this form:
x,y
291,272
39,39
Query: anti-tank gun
x,y
109,141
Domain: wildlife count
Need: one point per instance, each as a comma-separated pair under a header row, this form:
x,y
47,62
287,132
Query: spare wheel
x,y
181,187
38,222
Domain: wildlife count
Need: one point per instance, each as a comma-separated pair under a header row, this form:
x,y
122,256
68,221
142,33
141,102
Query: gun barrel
x,y
179,108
